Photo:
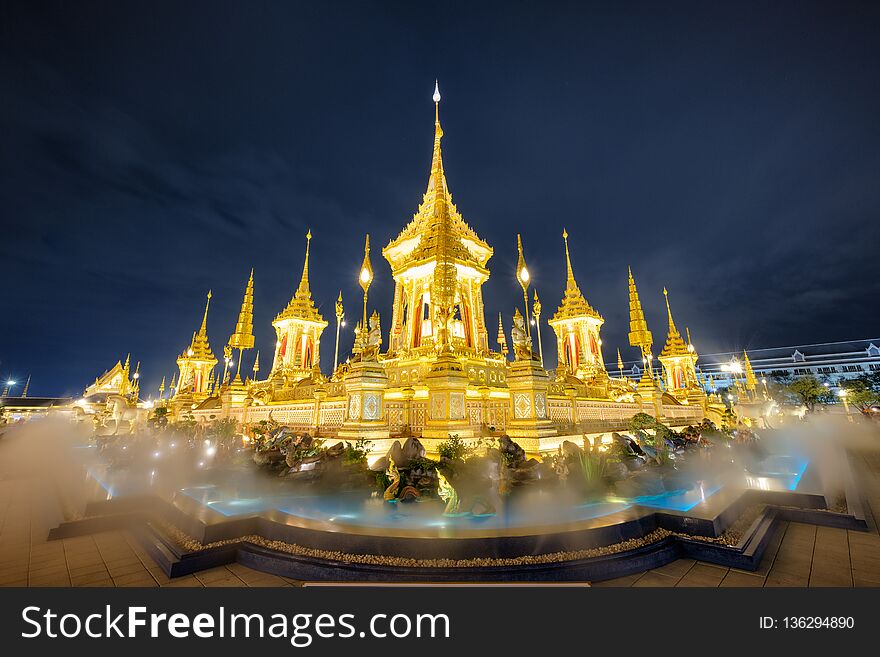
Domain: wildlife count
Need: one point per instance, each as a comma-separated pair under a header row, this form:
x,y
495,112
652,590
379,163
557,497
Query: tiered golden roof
x,y
573,302
199,348
675,345
301,305
243,337
437,230
639,335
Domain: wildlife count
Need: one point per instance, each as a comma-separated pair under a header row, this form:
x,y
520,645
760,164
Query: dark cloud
x,y
150,153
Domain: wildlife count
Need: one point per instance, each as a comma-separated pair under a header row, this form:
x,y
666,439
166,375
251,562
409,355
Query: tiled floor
x,y
799,554
28,510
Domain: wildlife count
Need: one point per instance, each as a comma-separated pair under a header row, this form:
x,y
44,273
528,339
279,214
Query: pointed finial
x,y
570,282
204,328
257,364
619,361
24,393
303,292
436,91
672,329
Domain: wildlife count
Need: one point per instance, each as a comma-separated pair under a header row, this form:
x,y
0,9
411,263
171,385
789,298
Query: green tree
x,y
809,391
224,431
862,392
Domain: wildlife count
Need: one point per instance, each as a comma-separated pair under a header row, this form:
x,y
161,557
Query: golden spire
x,y
126,367
573,303
204,329
173,382
437,181
674,346
639,335
502,340
672,328
199,348
437,230
751,379
301,305
27,385
570,282
243,336
619,361
257,364
162,387
303,292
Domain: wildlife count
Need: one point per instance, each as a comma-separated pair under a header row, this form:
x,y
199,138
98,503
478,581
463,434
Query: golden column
x,y
523,276
536,311
340,316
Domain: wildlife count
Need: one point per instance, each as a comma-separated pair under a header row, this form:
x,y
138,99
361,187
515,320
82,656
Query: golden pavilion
x,y
432,371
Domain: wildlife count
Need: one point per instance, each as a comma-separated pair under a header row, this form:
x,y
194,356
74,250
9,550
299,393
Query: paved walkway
x,y
799,554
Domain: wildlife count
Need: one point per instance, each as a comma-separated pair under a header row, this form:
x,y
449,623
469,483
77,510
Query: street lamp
x,y
365,279
842,393
523,276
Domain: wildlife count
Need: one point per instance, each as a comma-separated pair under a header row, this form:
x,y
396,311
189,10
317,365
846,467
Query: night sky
x,y
150,151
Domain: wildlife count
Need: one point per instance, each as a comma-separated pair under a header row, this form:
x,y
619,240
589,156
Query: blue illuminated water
x,y
533,509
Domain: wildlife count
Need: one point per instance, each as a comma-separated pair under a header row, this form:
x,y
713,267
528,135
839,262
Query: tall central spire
x,y
204,328
437,182
303,291
672,329
437,230
674,346
570,283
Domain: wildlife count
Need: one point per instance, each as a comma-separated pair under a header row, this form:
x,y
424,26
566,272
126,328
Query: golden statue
x,y
447,494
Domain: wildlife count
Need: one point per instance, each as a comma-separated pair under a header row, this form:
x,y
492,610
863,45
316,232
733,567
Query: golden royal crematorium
x,y
432,371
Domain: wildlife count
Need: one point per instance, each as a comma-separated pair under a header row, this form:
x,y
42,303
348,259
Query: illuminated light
x,y
201,464
136,375
173,445
524,275
211,451
365,275
156,455
207,442
10,382
342,323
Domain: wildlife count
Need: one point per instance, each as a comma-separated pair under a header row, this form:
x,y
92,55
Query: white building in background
x,y
829,361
